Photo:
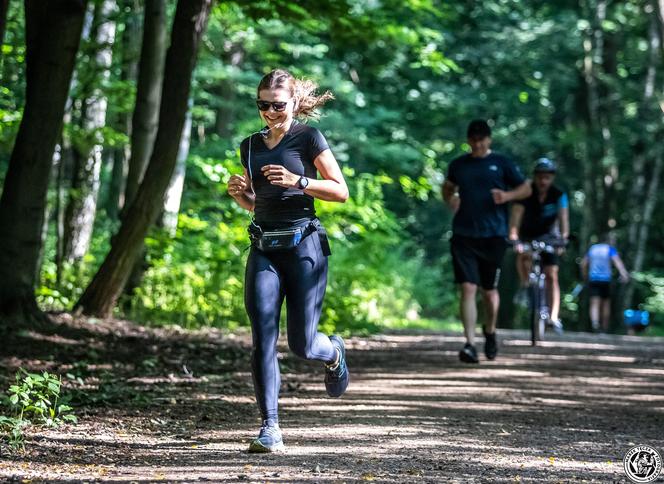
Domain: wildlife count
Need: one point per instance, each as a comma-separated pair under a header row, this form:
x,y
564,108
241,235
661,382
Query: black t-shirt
x,y
478,216
539,218
297,150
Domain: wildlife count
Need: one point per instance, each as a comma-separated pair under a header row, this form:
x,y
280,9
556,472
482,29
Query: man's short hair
x,y
608,237
478,128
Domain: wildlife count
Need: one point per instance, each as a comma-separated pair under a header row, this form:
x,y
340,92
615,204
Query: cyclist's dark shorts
x,y
600,289
548,259
478,260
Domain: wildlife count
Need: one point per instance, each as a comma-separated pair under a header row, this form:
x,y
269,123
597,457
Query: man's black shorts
x,y
478,260
600,289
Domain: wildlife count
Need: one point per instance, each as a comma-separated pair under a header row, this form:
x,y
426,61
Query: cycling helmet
x,y
544,165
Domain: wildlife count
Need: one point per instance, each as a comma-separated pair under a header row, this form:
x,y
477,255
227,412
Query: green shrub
x,y
195,278
33,399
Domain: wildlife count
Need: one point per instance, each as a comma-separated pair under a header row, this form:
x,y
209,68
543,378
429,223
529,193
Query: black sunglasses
x,y
276,105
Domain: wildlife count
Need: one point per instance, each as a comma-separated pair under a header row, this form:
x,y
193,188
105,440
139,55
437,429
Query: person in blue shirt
x,y
597,268
477,189
545,213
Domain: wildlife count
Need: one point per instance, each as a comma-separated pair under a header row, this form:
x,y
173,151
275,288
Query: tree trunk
x,y
148,94
59,216
118,157
226,110
169,215
591,165
53,32
146,114
4,7
648,210
84,193
610,172
600,170
174,192
659,12
646,112
644,205
189,24
601,61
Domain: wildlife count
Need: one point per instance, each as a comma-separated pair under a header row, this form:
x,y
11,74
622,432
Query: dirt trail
x,y
563,412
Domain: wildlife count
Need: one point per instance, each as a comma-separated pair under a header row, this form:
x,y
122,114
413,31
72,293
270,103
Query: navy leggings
x,y
300,275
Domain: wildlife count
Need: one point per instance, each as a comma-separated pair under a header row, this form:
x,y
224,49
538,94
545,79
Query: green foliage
x,y
652,284
197,277
407,77
371,279
34,399
54,294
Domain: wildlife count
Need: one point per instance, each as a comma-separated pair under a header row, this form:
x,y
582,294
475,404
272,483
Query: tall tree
x,y
659,11
597,138
175,188
227,95
169,216
148,94
649,159
118,157
4,7
146,113
101,295
53,32
84,192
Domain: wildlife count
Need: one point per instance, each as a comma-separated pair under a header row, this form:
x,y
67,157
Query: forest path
x,y
565,411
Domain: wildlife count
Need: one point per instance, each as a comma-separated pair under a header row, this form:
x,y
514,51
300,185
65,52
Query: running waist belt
x,y
286,239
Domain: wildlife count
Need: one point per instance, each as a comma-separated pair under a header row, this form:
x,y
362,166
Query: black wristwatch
x,y
303,183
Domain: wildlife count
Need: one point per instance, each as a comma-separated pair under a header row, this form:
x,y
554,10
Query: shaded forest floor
x,y
177,406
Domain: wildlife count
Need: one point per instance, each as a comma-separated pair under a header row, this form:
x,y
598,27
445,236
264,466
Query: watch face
x,y
304,182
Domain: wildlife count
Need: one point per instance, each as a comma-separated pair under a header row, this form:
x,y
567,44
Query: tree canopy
x,y
581,82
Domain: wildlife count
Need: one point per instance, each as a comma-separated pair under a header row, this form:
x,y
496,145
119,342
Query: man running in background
x,y
597,270
545,213
477,189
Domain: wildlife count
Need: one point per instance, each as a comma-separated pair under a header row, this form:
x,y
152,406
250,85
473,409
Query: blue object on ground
x,y
636,317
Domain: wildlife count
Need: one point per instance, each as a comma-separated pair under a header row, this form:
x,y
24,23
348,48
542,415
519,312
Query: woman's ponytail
x,y
307,100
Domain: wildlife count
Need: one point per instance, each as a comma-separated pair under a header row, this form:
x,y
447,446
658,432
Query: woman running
x,y
288,257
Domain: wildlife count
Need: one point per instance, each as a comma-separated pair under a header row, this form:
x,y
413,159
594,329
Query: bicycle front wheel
x,y
536,323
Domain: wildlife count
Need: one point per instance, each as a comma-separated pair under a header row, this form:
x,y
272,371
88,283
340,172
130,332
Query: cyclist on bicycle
x,y
544,214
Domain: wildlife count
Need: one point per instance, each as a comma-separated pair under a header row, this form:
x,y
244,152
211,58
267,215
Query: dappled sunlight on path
x,y
565,411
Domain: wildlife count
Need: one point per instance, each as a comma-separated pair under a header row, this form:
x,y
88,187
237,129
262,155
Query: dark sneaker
x,y
490,345
268,440
336,376
468,354
556,325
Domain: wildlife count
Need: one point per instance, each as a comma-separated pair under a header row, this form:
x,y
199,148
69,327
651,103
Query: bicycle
x,y
538,307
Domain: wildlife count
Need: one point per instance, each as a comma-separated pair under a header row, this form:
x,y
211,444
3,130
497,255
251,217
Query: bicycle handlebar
x,y
549,245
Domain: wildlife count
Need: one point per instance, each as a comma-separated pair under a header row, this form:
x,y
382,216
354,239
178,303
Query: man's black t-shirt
x,y
297,150
478,216
539,218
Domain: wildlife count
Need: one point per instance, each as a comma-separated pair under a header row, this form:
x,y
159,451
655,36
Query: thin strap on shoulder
x,y
251,176
249,157
251,181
